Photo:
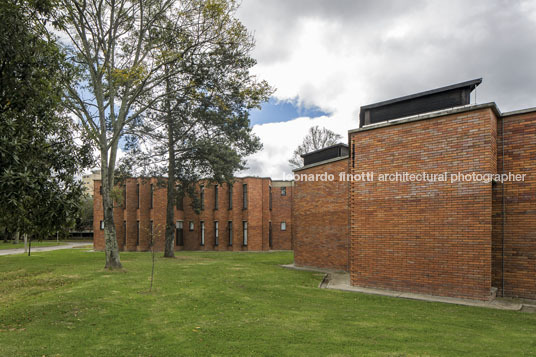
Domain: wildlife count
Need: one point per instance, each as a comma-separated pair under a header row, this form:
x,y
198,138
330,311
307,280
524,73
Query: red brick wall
x,y
519,141
424,237
282,212
320,212
257,215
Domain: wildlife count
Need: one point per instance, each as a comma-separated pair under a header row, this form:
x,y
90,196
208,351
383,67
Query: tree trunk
x,y
170,208
110,237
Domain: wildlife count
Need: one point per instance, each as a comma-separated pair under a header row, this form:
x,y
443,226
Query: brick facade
x,y
320,213
258,216
519,144
427,237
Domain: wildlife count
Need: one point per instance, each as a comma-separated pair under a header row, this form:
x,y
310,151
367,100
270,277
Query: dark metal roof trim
x,y
326,148
472,84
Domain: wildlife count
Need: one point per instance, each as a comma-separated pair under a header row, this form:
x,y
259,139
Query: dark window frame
x,y
202,233
245,233
179,242
216,233
230,232
137,233
230,196
152,196
216,197
138,194
245,196
270,197
202,196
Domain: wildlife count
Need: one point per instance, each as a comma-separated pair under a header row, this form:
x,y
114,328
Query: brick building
x,y
252,214
466,238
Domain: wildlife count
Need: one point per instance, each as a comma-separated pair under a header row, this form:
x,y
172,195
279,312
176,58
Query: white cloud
x,y
345,54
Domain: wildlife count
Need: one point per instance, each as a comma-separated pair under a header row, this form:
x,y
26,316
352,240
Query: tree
x,y
39,159
112,44
317,138
201,128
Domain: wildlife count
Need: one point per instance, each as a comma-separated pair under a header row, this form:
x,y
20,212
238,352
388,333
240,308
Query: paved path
x,y
44,249
339,280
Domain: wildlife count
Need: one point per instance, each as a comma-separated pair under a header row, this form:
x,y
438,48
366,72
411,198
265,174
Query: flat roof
x,y
319,163
472,84
430,115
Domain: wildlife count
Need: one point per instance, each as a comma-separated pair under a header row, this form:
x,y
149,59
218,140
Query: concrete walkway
x,y
67,245
338,280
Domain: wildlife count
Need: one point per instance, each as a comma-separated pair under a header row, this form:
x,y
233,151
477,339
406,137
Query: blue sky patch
x,y
275,111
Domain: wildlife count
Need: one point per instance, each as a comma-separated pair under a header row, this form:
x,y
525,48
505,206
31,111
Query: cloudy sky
x,y
328,58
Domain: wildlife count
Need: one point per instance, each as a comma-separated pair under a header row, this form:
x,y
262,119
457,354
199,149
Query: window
x,y
124,232
191,226
216,233
137,233
216,197
283,226
230,232
202,196
202,233
270,234
270,197
245,232
102,225
230,196
100,190
152,193
283,191
245,196
138,195
179,233
125,196
151,231
180,200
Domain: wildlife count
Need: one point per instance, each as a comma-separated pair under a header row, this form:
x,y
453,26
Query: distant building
x,y
88,181
252,214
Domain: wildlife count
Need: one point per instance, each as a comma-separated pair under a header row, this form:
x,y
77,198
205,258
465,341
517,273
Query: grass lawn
x,y
34,244
62,303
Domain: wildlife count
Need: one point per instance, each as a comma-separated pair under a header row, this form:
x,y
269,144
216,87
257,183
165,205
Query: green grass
x,y
34,244
62,303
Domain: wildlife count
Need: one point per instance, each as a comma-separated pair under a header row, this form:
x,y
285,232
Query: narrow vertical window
x,y
202,232
353,154
283,191
102,225
245,232
230,232
270,234
151,231
179,233
180,200
152,194
202,196
230,196
216,233
138,195
191,226
216,197
100,190
283,226
245,196
124,232
125,196
137,233
270,198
